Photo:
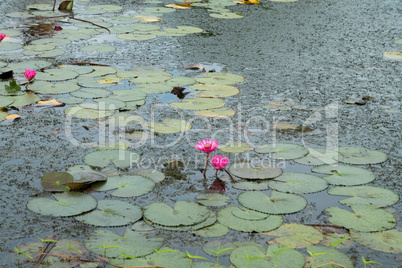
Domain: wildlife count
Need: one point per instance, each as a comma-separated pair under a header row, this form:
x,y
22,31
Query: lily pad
x,y
39,47
6,101
152,76
83,178
134,243
220,78
121,158
128,95
220,112
19,67
54,181
44,87
251,185
112,213
45,54
170,125
91,93
392,55
387,241
235,147
98,48
282,150
56,75
276,203
360,156
261,171
213,200
366,218
66,204
214,90
184,213
107,7
152,174
298,183
154,88
215,230
137,37
227,218
338,257
51,41
79,112
180,81
318,156
208,222
126,186
103,104
295,236
26,99
265,258
77,68
3,116
366,195
248,214
226,15
5,46
345,175
199,104
101,71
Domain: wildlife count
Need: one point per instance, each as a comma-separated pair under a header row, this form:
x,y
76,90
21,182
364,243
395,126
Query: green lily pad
x,y
66,204
220,78
208,222
277,203
79,112
128,95
125,120
282,150
83,178
338,257
72,35
387,241
3,116
11,33
250,215
122,20
39,47
154,88
101,71
98,48
345,175
103,104
360,156
295,236
217,245
220,112
226,15
318,156
199,104
112,213
261,171
121,158
265,258
235,147
107,7
215,230
157,10
213,200
184,213
6,101
334,237
39,7
51,41
298,183
77,68
126,186
44,87
26,99
133,243
45,54
136,36
169,125
54,181
5,46
366,195
227,218
214,90
19,67
70,100
152,174
153,76
91,93
56,75
180,81
366,218
251,185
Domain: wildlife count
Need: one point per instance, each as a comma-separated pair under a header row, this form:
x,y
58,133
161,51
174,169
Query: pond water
x,y
312,53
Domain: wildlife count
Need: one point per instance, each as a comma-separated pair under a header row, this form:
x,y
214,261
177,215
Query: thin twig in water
x,y
91,23
47,249
230,175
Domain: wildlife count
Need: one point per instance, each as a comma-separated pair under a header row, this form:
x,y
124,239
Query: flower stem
x,y
216,173
206,165
26,87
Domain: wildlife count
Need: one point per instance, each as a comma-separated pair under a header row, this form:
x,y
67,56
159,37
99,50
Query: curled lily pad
x,y
261,171
295,235
83,178
66,204
184,213
134,243
199,104
360,156
298,183
54,181
366,218
366,195
387,241
102,158
227,218
126,186
276,203
345,175
282,150
44,87
213,200
112,213
235,147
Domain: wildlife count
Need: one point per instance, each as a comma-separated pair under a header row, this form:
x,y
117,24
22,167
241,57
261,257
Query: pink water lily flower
x,y
2,36
29,74
207,145
218,162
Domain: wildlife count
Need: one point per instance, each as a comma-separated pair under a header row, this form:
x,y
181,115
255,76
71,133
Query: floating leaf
x,y
235,147
107,7
39,47
66,204
261,171
318,156
250,215
103,104
227,218
6,101
170,125
220,112
98,48
5,46
45,54
152,174
338,257
387,241
148,19
213,200
282,150
77,68
393,55
101,71
366,195
39,7
334,237
82,178
295,235
51,41
83,113
298,183
133,243
360,156
26,99
214,90
226,15
19,67
127,186
154,88
251,185
199,104
112,213
137,37
54,181
3,116
366,218
44,87
215,230
277,203
128,95
220,78
180,81
345,175
184,213
121,158
208,222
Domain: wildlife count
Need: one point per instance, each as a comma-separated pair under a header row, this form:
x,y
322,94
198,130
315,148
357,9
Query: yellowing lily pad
x,y
393,55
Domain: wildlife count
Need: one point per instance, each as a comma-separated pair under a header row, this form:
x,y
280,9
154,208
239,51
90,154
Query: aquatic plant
x,y
207,146
30,75
2,36
218,162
